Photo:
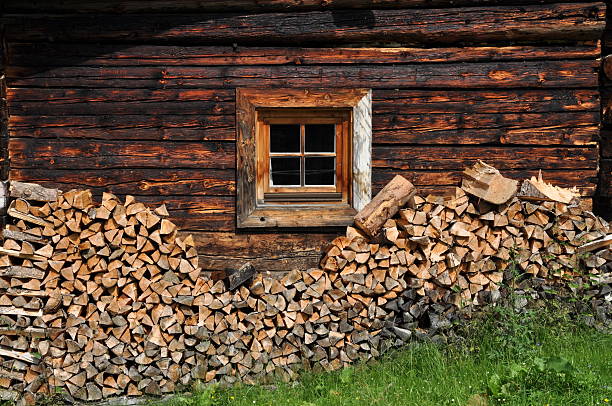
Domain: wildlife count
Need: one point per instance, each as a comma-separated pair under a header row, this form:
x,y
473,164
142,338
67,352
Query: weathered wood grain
x,y
402,101
140,127
567,128
196,182
95,154
156,6
157,181
458,157
271,251
574,21
565,74
35,54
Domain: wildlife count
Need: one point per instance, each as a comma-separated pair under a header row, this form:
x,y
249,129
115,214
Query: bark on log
x,y
385,205
33,191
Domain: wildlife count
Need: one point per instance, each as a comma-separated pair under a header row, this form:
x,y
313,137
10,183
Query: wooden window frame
x,y
255,208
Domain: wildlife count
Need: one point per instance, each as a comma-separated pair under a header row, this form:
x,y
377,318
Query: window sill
x,y
299,216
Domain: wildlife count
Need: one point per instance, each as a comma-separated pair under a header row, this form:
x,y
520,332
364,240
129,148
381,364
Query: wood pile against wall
x,y
111,298
84,82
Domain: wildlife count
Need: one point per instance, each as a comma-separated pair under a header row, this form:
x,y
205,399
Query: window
x,y
303,156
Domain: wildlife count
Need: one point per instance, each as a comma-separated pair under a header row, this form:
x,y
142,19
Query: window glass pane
x,y
284,138
285,171
320,137
320,171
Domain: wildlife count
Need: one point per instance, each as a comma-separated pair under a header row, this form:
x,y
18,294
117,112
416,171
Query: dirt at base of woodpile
x,y
108,300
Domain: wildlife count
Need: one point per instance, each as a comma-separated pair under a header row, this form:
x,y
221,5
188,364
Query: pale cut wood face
x,y
296,156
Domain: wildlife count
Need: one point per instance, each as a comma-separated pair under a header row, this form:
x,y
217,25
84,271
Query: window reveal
x,y
303,156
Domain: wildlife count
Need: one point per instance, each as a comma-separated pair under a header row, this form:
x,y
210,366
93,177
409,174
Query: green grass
x,y
538,358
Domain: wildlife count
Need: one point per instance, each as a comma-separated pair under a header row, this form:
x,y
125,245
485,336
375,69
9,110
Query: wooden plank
x,y
21,236
566,128
121,101
459,157
22,272
66,102
28,218
195,182
566,74
156,6
22,356
34,192
70,154
269,251
49,54
579,21
27,332
127,127
18,254
595,245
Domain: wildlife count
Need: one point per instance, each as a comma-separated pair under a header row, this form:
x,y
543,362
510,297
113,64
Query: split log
x,y
485,182
537,189
385,205
32,191
241,276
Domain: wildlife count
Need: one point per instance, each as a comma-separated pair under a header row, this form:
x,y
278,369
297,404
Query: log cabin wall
x,y
139,97
603,202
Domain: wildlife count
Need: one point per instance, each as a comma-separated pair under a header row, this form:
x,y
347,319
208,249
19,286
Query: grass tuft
x,y
535,357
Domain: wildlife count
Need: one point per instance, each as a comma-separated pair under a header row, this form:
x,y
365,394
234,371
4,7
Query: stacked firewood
x,y
108,299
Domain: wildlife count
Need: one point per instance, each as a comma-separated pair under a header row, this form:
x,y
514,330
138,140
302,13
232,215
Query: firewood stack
x,y
109,300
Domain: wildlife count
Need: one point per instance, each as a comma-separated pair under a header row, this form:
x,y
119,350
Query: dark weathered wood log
x,y
509,23
47,54
22,272
21,236
240,276
69,154
568,74
423,158
384,205
385,101
137,181
156,6
34,192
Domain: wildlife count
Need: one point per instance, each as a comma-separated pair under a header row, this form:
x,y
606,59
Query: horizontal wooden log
x,y
70,154
22,272
266,251
35,54
574,21
37,332
17,254
195,182
33,192
21,236
157,102
458,157
156,6
565,128
566,74
121,101
568,128
22,356
126,127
